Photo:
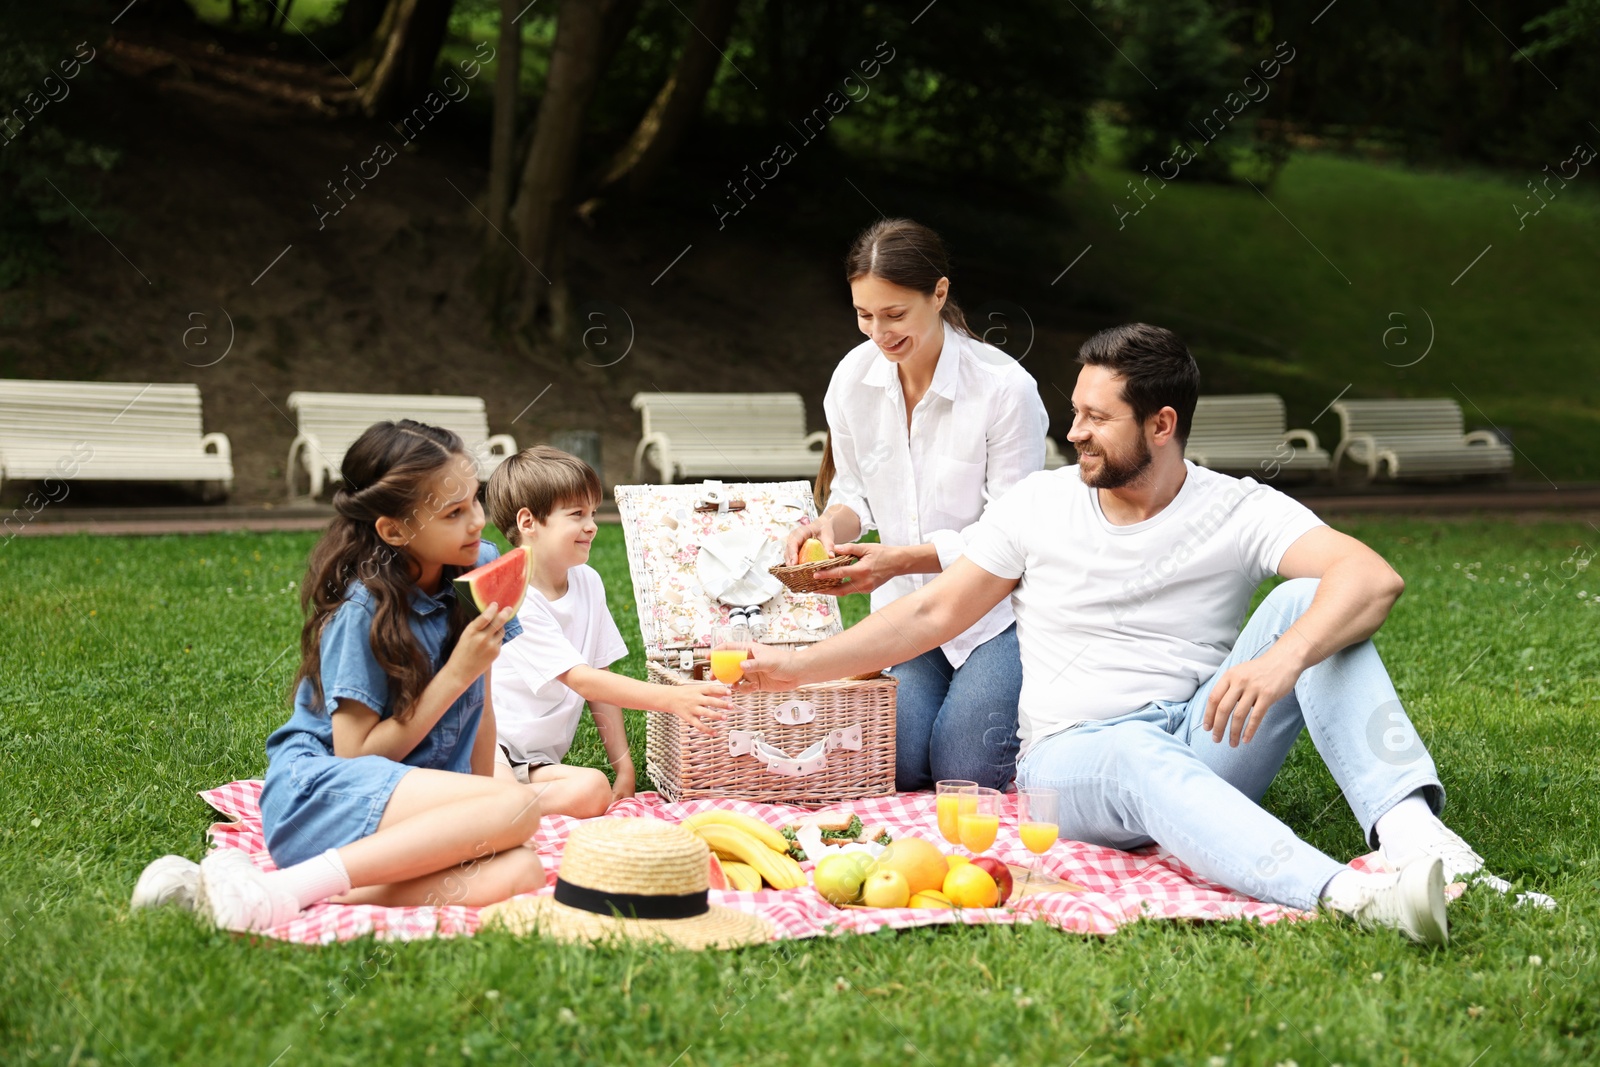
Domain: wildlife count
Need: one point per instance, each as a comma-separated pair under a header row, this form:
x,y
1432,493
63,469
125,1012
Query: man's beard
x,y
1117,471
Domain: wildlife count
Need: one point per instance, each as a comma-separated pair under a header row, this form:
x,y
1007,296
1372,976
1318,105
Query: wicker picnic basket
x,y
821,744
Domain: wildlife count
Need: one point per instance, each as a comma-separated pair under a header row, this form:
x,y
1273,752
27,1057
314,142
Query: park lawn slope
x,y
1324,284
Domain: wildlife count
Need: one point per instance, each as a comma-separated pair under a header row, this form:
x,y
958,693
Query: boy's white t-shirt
x,y
1111,618
535,714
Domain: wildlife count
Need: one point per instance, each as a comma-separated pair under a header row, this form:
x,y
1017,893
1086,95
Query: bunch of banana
x,y
741,876
751,850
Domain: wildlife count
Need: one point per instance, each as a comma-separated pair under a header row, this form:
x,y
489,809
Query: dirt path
x,y
1572,503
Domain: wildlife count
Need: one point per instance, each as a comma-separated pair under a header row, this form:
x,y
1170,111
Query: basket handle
x,y
810,761
794,713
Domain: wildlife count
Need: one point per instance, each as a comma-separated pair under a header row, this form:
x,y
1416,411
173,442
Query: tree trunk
x,y
503,140
1453,132
361,19
407,56
640,162
540,215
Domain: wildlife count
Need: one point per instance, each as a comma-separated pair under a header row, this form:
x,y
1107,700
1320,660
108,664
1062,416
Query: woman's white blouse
x,y
978,431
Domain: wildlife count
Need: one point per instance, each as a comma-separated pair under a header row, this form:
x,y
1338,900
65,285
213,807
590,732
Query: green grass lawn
x,y
135,671
1331,285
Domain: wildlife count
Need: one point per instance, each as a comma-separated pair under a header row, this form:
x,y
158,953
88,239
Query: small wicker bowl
x,y
809,577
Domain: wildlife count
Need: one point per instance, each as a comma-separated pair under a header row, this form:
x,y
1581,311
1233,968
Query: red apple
x,y
999,872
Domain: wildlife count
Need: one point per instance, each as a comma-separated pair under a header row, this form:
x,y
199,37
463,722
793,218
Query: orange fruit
x,y
931,899
921,864
955,861
969,886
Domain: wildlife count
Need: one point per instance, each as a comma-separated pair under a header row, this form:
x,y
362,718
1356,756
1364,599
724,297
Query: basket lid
x,y
664,535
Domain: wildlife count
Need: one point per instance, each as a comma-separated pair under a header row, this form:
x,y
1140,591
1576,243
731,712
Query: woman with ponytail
x,y
381,784
927,424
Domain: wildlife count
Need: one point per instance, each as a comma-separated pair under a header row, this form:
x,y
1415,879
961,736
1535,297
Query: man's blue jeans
x,y
958,723
1156,775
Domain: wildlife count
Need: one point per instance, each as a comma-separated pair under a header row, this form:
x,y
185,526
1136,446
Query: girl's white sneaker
x,y
174,879
168,880
239,897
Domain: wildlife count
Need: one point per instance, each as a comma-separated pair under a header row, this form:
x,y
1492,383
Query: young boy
x,y
544,500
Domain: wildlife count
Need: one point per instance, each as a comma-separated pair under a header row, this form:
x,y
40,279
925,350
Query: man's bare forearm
x,y
903,630
1353,599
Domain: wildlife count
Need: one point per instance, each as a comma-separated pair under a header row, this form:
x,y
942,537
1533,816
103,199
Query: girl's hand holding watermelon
x,y
479,643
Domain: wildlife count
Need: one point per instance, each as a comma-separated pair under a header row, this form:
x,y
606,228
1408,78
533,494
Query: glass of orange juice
x,y
1038,821
981,823
728,652
954,796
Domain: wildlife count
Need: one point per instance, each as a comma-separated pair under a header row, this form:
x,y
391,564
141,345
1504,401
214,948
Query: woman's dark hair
x,y
386,473
908,254
1155,366
825,472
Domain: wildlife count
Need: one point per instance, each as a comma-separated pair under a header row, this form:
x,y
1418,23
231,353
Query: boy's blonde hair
x,y
541,479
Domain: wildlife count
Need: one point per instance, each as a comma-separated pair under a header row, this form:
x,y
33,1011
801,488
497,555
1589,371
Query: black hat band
x,y
632,905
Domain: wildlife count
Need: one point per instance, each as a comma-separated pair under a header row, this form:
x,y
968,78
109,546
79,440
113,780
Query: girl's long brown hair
x,y
386,473
908,254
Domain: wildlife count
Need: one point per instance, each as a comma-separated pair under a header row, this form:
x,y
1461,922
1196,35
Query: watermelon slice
x,y
715,876
502,581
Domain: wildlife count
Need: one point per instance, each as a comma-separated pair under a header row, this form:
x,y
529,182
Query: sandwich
x,y
839,828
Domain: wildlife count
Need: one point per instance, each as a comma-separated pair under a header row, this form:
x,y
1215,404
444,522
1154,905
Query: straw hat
x,y
631,879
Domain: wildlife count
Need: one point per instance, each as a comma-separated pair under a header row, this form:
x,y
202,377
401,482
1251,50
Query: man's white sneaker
x,y
1411,901
1463,864
239,897
168,880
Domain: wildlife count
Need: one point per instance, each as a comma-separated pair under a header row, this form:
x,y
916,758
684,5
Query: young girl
x,y
382,781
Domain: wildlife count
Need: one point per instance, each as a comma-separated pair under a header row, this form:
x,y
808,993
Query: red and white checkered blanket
x,y
1118,886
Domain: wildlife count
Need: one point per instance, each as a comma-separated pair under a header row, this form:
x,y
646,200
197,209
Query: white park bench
x,y
329,423
1249,432
110,431
1416,439
1053,456
753,436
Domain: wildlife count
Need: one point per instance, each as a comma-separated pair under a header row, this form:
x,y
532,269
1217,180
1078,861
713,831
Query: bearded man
x,y
1143,702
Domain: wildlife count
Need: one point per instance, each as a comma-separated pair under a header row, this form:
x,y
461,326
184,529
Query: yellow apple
x,y
886,889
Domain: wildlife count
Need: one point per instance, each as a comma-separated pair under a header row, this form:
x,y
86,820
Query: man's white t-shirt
x,y
535,715
1110,618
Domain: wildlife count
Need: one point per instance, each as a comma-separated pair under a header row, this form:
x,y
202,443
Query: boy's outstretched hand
x,y
771,669
699,704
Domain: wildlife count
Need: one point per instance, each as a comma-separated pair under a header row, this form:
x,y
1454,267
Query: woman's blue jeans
x,y
958,723
1156,775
